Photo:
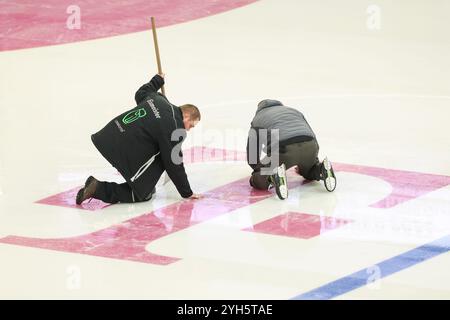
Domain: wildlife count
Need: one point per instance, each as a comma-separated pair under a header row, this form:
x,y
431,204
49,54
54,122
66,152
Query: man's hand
x,y
162,75
195,196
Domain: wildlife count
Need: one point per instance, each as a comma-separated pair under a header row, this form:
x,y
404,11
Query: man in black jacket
x,y
141,144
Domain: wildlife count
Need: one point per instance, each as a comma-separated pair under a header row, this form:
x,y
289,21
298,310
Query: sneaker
x,y
328,177
88,191
279,181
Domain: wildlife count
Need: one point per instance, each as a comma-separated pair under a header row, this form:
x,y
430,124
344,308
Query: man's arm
x,y
153,86
176,172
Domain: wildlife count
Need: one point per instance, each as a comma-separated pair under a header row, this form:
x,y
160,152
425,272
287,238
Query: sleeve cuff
x,y
187,195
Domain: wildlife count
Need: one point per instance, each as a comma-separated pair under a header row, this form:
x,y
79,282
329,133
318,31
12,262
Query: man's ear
x,y
186,116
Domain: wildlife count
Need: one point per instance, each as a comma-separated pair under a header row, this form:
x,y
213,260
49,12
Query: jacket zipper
x,y
144,167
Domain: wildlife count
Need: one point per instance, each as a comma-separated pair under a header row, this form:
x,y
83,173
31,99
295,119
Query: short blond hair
x,y
192,111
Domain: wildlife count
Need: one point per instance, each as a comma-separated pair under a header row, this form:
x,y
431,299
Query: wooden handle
x,y
158,59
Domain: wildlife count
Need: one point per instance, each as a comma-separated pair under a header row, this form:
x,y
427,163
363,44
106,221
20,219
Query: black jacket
x,y
138,137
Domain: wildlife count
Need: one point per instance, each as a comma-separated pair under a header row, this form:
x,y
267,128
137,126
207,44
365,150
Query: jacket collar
x,y
178,117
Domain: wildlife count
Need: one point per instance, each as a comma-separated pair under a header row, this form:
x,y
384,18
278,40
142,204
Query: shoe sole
x,y
282,188
80,193
78,200
330,180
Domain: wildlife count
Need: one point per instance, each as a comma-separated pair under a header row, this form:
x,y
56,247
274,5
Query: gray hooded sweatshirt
x,y
291,123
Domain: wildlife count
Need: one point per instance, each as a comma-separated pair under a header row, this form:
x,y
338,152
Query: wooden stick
x,y
158,59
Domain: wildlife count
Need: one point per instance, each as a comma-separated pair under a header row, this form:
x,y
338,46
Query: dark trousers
x,y
301,154
111,192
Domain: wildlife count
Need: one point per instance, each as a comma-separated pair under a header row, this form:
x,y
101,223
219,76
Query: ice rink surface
x,y
371,77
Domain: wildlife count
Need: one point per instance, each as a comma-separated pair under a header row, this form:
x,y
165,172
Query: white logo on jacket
x,y
152,106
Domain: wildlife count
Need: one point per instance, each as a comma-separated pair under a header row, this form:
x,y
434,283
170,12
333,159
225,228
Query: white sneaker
x,y
279,181
328,176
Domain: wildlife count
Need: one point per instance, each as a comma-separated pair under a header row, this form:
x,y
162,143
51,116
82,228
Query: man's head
x,y
191,116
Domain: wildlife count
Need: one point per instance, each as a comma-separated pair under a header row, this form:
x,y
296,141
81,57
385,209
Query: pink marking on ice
x,y
406,185
127,240
27,23
298,225
191,155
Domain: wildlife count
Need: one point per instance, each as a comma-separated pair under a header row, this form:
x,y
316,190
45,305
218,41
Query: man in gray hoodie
x,y
288,141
